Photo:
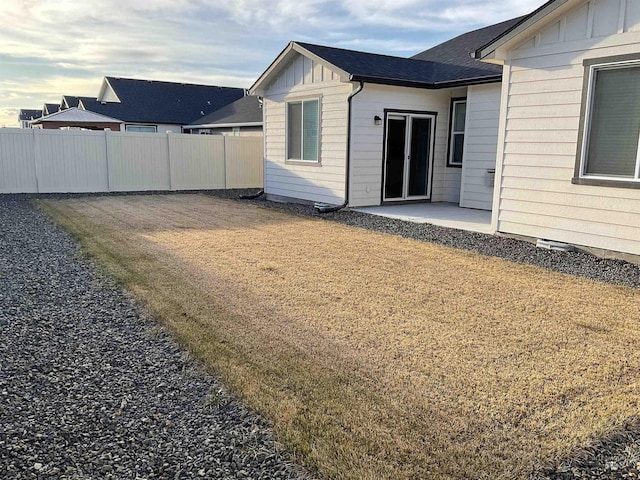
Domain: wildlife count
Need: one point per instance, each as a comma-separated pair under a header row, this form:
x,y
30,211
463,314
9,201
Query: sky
x,y
65,47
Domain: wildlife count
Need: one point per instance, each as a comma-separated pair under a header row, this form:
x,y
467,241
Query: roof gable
x,y
587,21
495,49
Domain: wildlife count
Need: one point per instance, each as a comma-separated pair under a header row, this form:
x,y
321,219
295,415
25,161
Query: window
x,y
141,128
302,130
456,134
612,126
236,131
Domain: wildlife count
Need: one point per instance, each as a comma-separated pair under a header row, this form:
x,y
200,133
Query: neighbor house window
x,y
456,134
612,125
141,128
303,130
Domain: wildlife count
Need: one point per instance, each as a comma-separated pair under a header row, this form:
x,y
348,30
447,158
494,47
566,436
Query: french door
x,y
408,156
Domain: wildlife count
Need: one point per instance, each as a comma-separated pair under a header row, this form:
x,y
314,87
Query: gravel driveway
x,y
90,387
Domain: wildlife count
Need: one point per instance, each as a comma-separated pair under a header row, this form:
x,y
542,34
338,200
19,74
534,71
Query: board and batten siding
x,y
541,122
367,148
318,182
480,145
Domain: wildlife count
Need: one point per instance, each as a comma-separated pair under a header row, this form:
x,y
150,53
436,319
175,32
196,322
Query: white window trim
x,y
301,100
453,133
155,127
587,124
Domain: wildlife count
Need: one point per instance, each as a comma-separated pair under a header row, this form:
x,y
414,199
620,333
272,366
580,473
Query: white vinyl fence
x,y
66,161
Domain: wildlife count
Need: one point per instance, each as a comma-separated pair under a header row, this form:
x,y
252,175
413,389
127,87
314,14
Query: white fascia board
x,y
493,51
223,125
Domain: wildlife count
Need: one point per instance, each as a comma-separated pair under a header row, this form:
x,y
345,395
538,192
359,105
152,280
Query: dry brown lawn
x,y
376,356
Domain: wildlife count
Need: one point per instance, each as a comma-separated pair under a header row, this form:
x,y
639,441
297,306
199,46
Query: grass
x,y
372,355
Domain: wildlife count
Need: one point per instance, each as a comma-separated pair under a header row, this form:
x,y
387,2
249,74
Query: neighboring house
x,y
75,118
154,106
240,118
50,108
26,115
343,126
568,163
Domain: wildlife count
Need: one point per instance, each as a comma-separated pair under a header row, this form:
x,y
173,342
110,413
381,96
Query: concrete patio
x,y
442,214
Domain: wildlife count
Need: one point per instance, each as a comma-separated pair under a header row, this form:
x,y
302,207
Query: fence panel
x,y
49,161
245,162
197,162
71,161
17,161
138,161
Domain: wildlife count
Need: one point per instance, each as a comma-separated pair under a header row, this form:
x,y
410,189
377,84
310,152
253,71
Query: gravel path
x,y
90,387
574,263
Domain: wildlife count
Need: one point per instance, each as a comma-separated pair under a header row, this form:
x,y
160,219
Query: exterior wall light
x,y
377,120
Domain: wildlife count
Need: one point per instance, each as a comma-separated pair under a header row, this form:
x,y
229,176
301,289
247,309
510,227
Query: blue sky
x,y
50,48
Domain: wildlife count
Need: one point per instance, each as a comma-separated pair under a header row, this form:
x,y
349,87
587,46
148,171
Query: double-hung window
x,y
303,130
611,131
456,134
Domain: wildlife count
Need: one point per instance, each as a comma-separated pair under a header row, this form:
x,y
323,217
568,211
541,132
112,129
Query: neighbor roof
x,y
76,116
151,101
247,110
29,114
70,100
51,108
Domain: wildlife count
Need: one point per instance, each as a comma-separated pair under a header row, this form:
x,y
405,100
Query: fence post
x,y
224,155
168,134
107,139
36,153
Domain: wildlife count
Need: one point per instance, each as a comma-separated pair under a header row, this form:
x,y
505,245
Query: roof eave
x,y
427,85
527,22
223,125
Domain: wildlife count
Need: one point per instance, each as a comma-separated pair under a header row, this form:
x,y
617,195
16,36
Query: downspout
x,y
326,208
261,192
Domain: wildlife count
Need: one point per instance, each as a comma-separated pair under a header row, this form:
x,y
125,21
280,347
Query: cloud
x,y
65,47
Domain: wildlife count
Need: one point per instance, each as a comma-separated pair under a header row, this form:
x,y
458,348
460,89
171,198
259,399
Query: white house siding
x,y
542,121
322,182
367,147
481,141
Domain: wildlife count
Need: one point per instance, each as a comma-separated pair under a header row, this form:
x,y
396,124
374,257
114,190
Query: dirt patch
x,y
377,356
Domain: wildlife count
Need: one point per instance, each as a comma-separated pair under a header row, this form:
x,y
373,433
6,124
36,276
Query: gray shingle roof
x,y
71,100
50,108
455,55
245,110
29,114
444,65
151,101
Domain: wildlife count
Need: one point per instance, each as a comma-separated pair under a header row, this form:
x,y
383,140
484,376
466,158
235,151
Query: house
x,y
76,118
540,127
26,115
568,163
363,129
240,118
155,106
